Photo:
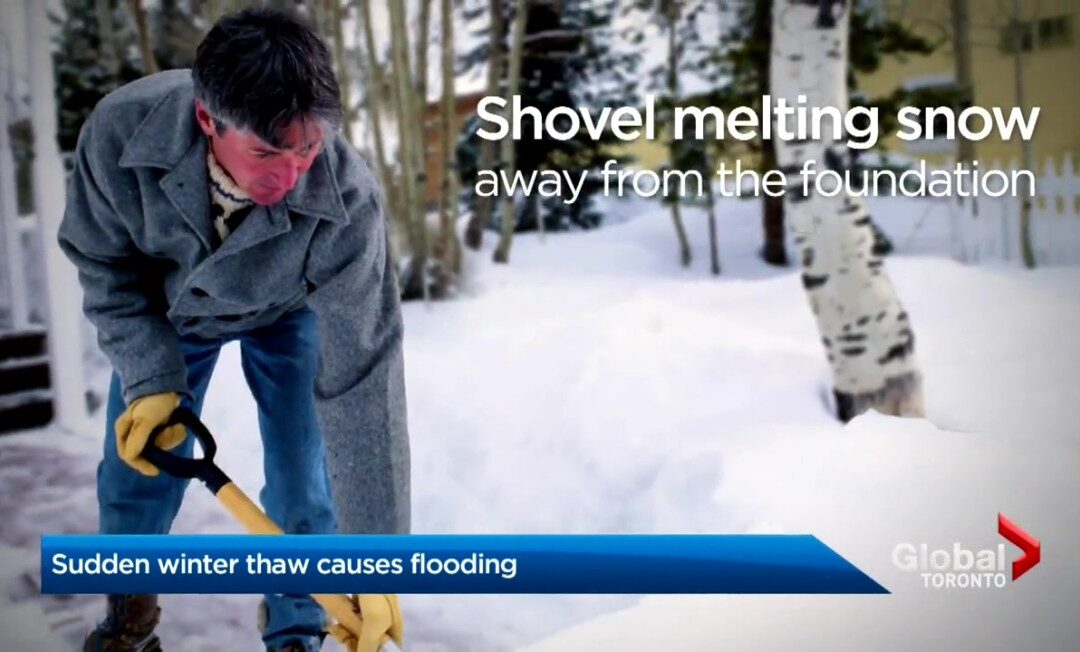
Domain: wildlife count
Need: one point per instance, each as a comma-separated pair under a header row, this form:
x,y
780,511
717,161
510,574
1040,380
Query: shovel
x,y
254,520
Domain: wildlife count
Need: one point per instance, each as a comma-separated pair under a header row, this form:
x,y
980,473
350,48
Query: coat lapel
x,y
187,187
261,224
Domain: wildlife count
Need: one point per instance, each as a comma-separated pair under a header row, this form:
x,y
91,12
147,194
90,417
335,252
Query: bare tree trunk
x,y
150,65
774,251
421,125
478,221
710,205
965,97
1027,162
313,12
421,44
344,71
375,100
866,331
774,246
214,9
376,83
671,14
110,58
448,250
402,93
408,126
506,233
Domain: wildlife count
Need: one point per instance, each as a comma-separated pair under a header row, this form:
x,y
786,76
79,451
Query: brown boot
x,y
128,626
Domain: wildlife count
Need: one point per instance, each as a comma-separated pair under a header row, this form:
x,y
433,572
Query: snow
x,y
594,385
862,490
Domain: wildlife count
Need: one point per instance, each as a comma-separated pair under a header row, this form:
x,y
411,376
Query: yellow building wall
x,y
646,154
1051,75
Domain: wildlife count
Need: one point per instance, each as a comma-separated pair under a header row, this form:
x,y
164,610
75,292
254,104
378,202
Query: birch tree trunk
x,y
513,84
671,15
481,216
448,250
866,332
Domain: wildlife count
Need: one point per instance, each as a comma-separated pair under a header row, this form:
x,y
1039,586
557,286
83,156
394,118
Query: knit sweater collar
x,y
229,205
223,190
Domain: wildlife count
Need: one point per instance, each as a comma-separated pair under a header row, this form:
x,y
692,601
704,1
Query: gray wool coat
x,y
138,228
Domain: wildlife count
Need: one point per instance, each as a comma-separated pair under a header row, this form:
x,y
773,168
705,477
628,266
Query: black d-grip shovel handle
x,y
187,467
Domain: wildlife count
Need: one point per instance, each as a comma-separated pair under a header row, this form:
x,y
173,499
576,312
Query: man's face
x,y
264,172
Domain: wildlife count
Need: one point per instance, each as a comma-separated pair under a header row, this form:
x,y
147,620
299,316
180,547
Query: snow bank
x,y
863,489
594,385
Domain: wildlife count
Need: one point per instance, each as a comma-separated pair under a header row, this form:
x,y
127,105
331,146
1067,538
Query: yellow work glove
x,y
382,620
135,424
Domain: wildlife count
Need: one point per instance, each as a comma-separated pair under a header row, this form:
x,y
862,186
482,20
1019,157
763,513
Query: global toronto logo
x,y
961,568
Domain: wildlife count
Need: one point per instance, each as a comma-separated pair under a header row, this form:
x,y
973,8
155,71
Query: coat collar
x,y
168,138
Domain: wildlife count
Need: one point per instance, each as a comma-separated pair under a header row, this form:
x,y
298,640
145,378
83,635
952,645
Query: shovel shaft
x,y
255,521
245,511
242,508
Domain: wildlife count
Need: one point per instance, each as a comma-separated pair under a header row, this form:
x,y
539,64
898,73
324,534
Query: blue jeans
x,y
279,363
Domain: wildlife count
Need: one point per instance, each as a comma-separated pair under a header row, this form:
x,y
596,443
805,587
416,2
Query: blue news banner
x,y
422,563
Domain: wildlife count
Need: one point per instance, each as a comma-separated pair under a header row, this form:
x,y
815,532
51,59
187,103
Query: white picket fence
x,y
993,232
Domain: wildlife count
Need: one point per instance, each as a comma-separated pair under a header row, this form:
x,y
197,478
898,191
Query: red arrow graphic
x,y
1027,543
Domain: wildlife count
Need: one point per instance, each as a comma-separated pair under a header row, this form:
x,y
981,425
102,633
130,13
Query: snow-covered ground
x,y
595,386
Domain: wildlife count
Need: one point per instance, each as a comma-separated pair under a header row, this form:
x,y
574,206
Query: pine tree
x,y
569,59
88,65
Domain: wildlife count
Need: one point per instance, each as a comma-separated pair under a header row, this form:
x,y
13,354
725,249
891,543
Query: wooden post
x,y
1027,253
64,298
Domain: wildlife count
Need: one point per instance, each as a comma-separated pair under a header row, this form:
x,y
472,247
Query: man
x,y
221,204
